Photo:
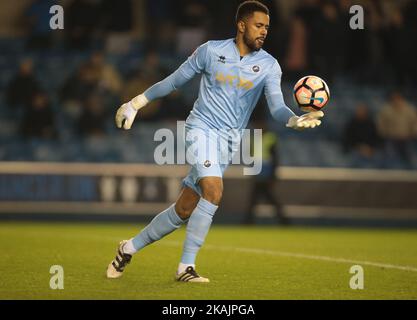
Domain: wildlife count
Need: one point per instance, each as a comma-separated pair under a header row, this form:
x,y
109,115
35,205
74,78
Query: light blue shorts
x,y
209,153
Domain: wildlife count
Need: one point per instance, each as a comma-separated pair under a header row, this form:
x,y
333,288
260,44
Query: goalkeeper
x,y
234,74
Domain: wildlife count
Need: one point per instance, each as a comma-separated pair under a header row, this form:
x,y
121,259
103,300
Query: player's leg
x,y
186,202
163,224
198,227
209,155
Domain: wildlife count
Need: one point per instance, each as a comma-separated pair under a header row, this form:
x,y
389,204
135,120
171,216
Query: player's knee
x,y
184,210
186,203
213,193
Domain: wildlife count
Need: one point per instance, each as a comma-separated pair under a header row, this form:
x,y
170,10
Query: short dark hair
x,y
247,8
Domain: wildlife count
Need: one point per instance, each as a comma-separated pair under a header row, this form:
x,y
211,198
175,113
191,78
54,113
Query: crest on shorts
x,y
207,163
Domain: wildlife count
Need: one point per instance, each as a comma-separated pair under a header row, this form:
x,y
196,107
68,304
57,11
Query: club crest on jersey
x,y
222,59
256,68
207,163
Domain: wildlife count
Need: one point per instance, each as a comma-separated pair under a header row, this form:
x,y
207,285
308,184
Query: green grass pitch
x,y
241,262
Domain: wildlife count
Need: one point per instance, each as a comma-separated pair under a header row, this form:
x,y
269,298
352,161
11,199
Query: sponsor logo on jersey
x,y
227,79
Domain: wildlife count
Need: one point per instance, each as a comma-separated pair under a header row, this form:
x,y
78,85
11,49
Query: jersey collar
x,y
251,54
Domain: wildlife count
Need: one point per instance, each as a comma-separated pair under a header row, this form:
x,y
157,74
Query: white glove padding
x,y
308,120
127,112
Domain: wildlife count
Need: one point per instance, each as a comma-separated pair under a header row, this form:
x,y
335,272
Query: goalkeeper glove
x,y
127,112
308,120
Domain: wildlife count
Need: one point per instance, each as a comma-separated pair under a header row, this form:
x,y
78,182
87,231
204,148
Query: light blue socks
x,y
160,226
197,229
168,221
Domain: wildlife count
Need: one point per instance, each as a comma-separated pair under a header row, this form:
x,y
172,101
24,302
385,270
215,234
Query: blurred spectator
x,y
95,75
38,118
77,88
164,39
137,84
296,57
278,30
397,124
152,68
172,107
326,46
93,117
23,85
37,17
303,34
149,72
306,36
361,137
104,74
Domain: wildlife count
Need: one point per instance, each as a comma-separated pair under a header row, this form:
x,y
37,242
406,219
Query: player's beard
x,y
251,43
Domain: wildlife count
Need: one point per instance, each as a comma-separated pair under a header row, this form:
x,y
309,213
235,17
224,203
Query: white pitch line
x,y
301,256
269,252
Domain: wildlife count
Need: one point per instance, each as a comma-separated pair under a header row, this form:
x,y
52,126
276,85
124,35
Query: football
x,y
311,93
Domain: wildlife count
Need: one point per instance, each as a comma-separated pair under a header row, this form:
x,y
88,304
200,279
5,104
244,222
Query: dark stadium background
x,y
61,156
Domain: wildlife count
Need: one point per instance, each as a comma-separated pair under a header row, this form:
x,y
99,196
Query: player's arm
x,y
195,64
279,109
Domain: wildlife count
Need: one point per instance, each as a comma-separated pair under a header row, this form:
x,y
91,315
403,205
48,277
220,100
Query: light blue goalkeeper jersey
x,y
230,85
